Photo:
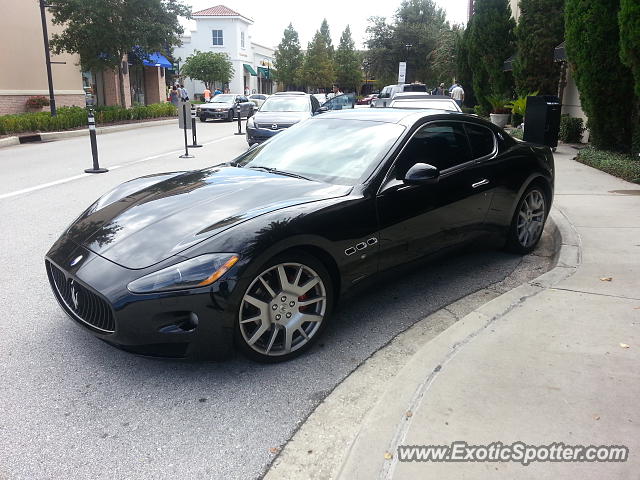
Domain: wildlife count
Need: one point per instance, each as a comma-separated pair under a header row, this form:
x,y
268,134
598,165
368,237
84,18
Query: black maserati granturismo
x,y
257,251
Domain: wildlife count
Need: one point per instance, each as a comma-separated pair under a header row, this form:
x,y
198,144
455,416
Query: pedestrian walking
x,y
458,94
438,90
184,95
174,96
206,94
247,92
217,92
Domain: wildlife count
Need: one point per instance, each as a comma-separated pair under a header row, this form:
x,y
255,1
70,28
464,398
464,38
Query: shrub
x,y
73,117
37,102
481,111
571,129
618,164
498,104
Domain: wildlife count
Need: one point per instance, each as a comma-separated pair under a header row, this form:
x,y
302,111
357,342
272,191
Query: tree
x,y
289,59
491,42
318,69
629,22
444,59
378,56
326,35
347,61
592,44
540,29
464,74
208,67
102,32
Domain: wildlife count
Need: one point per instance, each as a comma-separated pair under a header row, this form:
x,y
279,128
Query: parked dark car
x,y
284,109
259,250
225,106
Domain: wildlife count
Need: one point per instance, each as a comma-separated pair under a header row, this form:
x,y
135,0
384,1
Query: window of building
x,y
242,39
217,37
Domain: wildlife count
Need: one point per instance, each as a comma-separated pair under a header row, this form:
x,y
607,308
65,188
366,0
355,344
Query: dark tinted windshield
x,y
355,148
286,104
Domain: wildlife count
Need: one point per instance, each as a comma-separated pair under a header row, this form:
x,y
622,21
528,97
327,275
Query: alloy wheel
x,y
530,220
283,309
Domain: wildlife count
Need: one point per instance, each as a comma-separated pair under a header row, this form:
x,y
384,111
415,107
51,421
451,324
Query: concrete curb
x,y
405,387
385,424
50,136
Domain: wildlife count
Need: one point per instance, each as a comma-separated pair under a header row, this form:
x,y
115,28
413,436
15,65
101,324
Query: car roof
x,y
403,116
290,93
403,95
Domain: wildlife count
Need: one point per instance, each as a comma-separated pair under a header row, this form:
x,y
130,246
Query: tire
x,y
203,119
270,323
528,220
230,116
250,114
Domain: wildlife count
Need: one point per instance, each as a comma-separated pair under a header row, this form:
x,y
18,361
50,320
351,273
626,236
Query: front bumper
x,y
259,135
196,323
205,113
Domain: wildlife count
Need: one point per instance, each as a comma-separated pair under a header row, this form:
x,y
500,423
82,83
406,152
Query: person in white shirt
x,y
457,93
336,91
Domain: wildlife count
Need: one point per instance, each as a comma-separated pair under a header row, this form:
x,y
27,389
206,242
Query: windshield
x,y
286,104
223,99
355,149
437,104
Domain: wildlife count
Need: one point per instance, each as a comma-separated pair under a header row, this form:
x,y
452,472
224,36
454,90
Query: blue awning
x,y
157,60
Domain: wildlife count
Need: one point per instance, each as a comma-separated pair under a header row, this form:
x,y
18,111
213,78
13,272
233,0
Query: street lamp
x,y
47,56
407,46
267,63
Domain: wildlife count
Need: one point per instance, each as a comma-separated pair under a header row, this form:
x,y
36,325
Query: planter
x,y
500,119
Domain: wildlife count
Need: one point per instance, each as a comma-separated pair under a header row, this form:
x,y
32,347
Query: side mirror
x,y
422,174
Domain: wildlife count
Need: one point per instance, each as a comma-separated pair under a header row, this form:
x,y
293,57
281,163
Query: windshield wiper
x,y
279,172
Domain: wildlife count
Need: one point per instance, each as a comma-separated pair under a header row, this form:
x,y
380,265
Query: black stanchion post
x,y
239,132
184,127
194,137
94,145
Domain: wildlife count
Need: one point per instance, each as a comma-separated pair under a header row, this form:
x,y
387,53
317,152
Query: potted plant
x,y
519,107
35,104
499,112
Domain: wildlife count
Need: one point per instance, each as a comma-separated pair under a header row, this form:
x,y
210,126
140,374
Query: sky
x,y
272,17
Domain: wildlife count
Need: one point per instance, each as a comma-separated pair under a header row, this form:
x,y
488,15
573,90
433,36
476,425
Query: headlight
x,y
195,272
221,109
250,123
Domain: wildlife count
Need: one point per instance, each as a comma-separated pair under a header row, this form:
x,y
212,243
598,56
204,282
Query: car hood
x,y
285,118
164,219
217,105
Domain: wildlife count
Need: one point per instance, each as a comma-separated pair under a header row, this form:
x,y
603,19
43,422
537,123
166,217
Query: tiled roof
x,y
218,11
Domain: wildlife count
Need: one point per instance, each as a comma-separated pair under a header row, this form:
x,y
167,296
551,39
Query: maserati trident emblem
x,y
74,295
274,126
75,261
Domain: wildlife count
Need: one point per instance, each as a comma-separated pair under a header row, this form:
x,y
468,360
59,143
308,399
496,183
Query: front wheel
x,y
528,221
285,308
203,119
230,116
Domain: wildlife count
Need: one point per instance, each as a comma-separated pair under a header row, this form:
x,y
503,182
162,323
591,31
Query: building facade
x,y
222,30
24,73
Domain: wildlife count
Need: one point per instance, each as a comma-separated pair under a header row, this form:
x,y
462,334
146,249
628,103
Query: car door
x,y
339,102
417,220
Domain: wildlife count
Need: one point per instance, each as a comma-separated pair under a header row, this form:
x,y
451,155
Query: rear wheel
x,y
203,118
285,308
528,221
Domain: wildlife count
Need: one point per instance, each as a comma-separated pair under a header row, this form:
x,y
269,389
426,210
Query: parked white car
x,y
258,99
424,100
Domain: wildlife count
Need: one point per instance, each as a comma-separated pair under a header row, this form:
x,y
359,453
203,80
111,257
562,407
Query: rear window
x,y
414,88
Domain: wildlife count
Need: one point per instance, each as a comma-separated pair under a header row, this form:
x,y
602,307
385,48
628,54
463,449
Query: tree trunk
x,y
123,102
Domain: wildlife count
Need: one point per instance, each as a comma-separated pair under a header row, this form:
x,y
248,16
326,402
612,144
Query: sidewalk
x,y
541,364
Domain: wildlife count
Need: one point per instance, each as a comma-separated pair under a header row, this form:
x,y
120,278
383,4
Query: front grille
x,y
83,304
268,126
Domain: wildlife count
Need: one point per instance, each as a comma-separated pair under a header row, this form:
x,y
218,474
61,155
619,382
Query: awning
x,y
559,55
250,69
507,65
266,73
157,60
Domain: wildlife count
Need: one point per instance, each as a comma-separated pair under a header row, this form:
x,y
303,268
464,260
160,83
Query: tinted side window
x,y
442,144
481,139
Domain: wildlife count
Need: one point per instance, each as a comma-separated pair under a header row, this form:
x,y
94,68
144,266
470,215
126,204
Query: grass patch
x,y
516,133
617,164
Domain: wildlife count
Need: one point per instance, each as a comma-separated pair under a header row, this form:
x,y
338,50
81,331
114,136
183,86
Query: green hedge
x,y
571,129
618,164
73,117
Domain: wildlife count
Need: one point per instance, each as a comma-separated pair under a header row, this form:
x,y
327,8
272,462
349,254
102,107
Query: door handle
x,y
480,183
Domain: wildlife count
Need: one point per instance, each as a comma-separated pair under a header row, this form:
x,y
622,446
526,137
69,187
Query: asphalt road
x,y
73,407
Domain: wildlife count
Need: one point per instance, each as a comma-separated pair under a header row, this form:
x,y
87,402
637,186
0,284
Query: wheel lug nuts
x,y
283,299
274,307
291,304
289,315
278,317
